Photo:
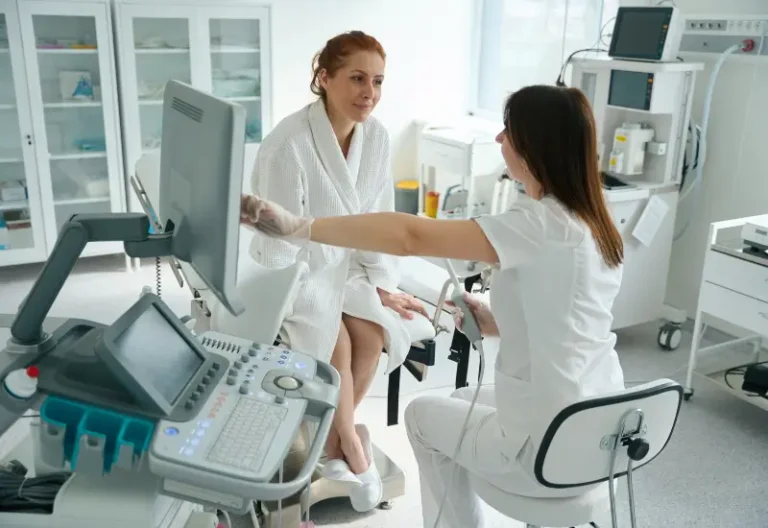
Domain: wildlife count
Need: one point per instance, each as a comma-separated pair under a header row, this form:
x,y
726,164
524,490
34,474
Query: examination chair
x,y
267,295
588,446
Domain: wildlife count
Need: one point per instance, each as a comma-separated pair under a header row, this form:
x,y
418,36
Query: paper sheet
x,y
650,221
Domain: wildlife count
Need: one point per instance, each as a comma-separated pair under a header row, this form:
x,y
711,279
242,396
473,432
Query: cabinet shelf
x,y
10,160
161,51
14,206
60,156
80,201
234,49
73,104
7,107
67,51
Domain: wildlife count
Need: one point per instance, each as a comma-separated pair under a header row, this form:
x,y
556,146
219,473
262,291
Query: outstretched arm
x,y
406,235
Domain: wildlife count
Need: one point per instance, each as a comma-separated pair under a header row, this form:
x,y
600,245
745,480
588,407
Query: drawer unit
x,y
728,305
443,155
736,274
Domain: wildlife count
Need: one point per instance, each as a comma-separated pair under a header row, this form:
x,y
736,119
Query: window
x,y
523,42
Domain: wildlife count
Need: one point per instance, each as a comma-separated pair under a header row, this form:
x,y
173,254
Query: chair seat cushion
x,y
591,506
419,328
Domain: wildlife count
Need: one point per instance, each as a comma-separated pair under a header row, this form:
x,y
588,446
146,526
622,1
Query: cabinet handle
x,y
28,137
763,315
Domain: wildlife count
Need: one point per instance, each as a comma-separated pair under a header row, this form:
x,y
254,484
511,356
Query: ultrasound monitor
x,y
201,172
154,356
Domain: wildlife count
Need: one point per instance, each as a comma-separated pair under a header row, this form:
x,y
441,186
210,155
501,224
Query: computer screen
x,y
153,351
201,175
639,33
629,89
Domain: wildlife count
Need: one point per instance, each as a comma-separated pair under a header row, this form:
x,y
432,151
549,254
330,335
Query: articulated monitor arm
x,y
130,228
28,343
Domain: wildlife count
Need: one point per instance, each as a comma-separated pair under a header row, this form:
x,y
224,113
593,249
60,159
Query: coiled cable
x,y
29,495
158,276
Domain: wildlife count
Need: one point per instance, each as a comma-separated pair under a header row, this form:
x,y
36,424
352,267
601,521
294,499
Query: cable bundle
x,y
29,495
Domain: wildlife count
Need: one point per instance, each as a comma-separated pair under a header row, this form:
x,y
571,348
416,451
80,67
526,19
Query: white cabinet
x,y
60,132
220,47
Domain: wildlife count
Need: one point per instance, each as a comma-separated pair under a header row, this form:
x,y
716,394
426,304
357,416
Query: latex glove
x,y
480,310
403,304
273,220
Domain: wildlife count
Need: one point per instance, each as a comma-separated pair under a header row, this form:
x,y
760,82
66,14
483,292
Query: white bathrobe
x,y
300,165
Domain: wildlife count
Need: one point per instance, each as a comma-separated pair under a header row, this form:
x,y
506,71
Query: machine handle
x,y
283,490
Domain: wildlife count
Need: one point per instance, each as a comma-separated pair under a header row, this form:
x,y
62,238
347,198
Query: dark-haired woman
x,y
331,158
558,265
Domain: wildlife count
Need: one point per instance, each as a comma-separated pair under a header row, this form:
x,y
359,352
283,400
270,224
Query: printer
x,y
755,236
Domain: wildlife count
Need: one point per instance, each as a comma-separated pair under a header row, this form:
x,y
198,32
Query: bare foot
x,y
354,453
333,446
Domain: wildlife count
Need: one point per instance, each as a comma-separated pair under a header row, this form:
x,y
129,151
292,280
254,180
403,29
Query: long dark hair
x,y
553,129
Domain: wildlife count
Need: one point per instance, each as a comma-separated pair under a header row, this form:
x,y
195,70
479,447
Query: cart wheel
x,y
386,505
688,394
670,336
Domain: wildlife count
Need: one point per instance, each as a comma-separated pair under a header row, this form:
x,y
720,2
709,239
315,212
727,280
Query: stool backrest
x,y
577,447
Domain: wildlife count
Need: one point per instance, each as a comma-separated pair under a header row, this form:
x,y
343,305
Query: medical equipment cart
x,y
734,289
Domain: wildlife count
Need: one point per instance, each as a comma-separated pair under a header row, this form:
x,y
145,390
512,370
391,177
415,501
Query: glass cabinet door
x,y
236,67
161,50
71,79
22,232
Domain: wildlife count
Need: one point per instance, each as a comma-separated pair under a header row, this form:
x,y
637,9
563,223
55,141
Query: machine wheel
x,y
688,395
670,336
386,505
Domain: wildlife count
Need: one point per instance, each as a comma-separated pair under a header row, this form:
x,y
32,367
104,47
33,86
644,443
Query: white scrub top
x,y
551,297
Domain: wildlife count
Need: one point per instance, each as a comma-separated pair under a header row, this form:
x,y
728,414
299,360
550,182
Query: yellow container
x,y
430,203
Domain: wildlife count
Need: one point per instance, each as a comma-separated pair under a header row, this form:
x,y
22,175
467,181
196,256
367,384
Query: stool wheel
x,y
386,505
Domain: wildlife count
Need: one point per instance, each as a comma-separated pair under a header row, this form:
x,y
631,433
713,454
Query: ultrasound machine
x,y
142,412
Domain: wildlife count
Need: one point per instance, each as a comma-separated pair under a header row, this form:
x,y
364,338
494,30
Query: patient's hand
x,y
273,220
403,304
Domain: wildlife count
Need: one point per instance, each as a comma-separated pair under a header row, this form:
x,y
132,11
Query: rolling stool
x,y
589,445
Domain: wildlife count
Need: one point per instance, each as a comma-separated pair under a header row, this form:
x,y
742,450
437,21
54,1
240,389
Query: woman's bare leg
x,y
343,433
367,340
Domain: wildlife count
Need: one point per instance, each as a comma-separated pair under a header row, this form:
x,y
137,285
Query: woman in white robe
x,y
328,159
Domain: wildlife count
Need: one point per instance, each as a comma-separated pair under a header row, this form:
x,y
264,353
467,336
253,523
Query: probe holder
x,y
88,439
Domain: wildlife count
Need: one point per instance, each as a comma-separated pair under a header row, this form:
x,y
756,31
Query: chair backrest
x,y
268,295
577,447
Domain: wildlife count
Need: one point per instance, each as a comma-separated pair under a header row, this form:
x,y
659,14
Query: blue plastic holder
x,y
114,428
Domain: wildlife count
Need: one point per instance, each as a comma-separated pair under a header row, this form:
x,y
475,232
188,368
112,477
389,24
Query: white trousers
x,y
434,425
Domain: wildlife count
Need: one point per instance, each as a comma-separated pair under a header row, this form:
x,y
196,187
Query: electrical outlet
x,y
717,33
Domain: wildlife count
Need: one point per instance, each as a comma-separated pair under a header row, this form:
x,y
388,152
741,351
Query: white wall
x,y
428,51
736,169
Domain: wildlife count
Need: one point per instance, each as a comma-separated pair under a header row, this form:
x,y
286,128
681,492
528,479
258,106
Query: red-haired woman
x,y
331,158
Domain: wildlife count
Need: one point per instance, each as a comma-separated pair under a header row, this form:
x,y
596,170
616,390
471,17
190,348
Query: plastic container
x,y
407,196
431,202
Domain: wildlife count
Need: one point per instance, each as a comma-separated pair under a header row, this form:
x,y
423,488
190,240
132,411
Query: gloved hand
x,y
273,220
480,310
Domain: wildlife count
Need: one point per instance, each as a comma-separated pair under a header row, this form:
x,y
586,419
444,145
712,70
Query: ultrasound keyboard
x,y
242,433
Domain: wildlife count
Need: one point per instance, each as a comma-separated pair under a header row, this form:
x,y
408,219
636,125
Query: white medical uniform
x,y
300,166
551,297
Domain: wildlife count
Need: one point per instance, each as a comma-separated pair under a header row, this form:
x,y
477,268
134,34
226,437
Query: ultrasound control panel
x,y
243,432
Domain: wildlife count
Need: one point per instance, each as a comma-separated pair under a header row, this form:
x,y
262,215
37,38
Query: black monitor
x,y
645,33
153,354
